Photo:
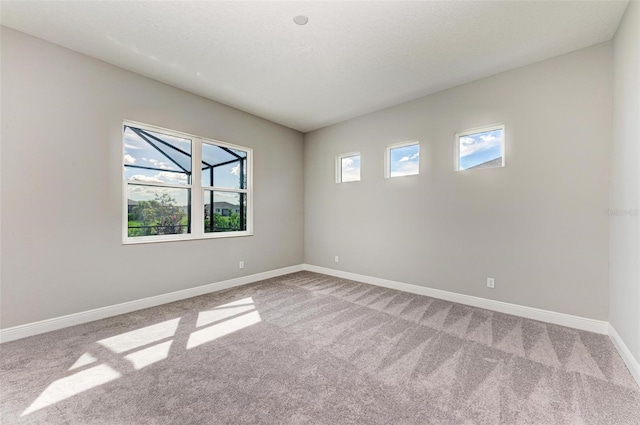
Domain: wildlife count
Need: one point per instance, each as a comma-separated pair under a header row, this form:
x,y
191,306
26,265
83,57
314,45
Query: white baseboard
x,y
631,362
576,322
48,325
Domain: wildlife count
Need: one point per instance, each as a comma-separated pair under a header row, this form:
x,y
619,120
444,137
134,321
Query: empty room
x,y
348,212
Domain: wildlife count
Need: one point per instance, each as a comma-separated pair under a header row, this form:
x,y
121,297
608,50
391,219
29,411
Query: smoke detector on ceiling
x,y
300,19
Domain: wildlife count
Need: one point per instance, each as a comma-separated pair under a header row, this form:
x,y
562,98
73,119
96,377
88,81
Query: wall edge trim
x,y
563,319
48,325
632,364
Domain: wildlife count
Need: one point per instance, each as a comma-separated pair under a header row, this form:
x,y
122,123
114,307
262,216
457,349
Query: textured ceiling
x,y
350,59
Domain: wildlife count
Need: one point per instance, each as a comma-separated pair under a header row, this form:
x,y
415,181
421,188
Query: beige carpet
x,y
311,349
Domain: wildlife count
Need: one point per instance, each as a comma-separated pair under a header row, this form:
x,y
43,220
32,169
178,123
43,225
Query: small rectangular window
x,y
402,159
348,167
480,148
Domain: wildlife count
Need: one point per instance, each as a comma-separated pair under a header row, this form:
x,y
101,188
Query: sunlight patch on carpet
x,y
72,385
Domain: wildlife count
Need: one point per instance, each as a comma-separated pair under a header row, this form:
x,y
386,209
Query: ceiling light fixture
x,y
300,19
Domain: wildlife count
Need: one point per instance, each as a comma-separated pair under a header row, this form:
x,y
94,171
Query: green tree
x,y
160,216
220,222
234,221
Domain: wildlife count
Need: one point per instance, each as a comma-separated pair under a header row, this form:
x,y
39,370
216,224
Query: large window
x,y
178,186
402,159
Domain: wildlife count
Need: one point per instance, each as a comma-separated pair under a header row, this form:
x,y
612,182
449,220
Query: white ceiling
x,y
350,59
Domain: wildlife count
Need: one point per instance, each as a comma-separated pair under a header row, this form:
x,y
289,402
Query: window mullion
x,y
224,189
249,194
156,184
197,202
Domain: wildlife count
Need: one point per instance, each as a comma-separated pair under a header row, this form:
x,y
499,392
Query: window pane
x,y
154,210
223,167
154,157
214,154
350,168
404,160
481,150
229,211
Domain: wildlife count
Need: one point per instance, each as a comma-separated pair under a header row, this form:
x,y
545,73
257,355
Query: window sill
x,y
175,238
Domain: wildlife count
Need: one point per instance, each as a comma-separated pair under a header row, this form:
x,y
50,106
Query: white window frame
x,y
339,166
197,190
387,157
477,130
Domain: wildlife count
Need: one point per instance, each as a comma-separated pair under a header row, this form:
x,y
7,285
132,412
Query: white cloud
x,y
349,165
145,193
131,146
146,179
159,164
128,159
132,141
350,169
470,145
185,143
236,170
407,165
465,141
171,177
406,168
409,158
231,198
161,177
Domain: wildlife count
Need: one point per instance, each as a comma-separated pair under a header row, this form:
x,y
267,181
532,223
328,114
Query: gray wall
x,y
61,186
624,274
537,226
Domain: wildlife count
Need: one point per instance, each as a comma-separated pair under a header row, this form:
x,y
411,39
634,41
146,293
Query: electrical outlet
x,y
337,259
241,265
491,282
